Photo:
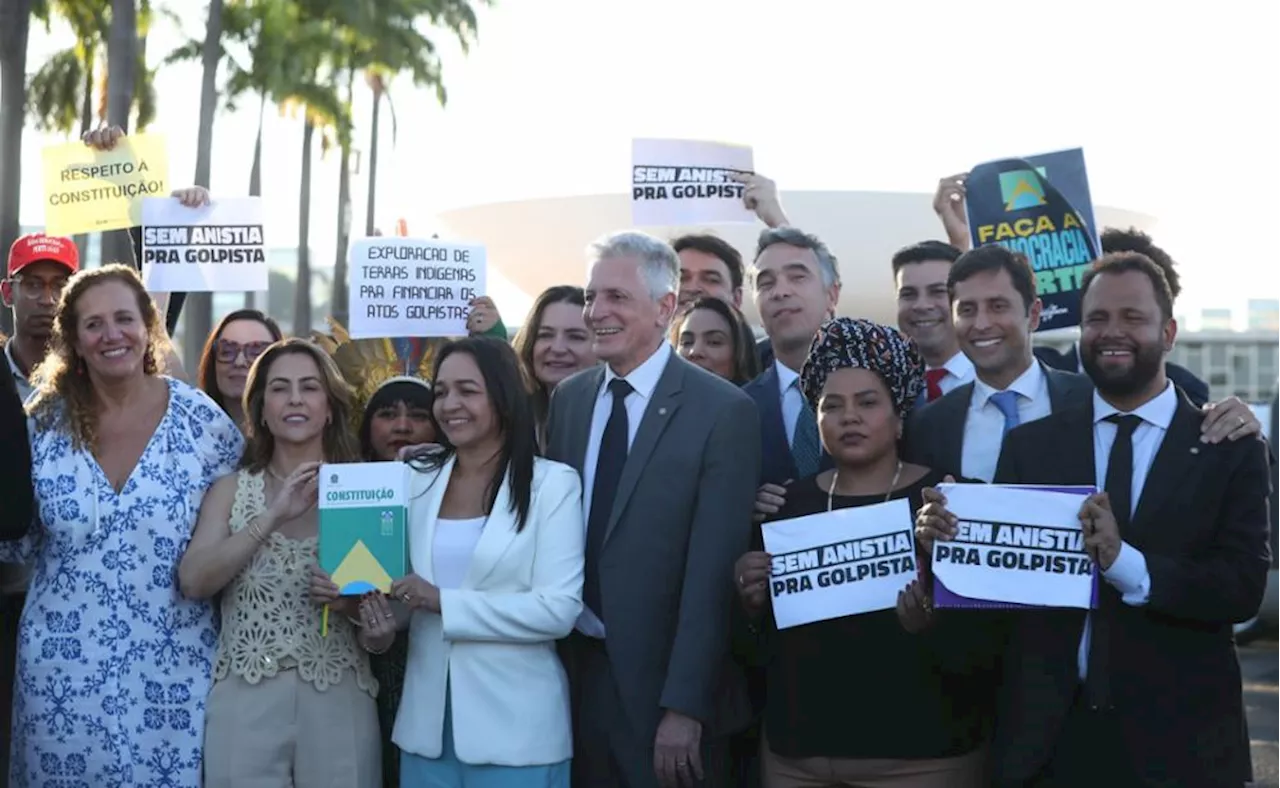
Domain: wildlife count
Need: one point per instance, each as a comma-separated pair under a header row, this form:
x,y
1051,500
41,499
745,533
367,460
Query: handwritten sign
x,y
89,191
1014,545
217,248
684,182
413,287
840,563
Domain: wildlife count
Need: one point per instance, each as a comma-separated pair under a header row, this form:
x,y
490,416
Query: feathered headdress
x,y
368,363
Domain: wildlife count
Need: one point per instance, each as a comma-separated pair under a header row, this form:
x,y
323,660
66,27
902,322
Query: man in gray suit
x,y
669,456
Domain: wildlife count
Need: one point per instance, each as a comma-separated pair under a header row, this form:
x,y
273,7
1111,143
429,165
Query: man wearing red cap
x,y
39,265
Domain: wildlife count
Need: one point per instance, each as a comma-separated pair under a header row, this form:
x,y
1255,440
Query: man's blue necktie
x,y
613,456
806,447
1007,403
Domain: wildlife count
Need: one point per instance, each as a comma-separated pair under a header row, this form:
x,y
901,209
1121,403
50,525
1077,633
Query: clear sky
x,y
1176,106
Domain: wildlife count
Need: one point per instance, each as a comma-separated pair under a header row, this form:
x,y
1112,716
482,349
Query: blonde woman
x,y
290,706
113,661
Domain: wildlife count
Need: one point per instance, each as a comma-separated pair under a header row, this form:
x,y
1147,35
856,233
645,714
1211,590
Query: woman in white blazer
x,y
496,550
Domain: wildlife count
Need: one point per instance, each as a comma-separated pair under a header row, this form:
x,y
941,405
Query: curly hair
x,y
62,378
340,444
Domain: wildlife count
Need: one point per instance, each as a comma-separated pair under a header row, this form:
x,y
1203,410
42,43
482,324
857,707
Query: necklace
x,y
835,477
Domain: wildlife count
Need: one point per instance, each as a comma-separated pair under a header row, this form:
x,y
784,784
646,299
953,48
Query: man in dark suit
x,y
796,283
1145,690
995,312
669,456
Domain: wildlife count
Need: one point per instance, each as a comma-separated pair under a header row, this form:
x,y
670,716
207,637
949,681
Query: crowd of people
x,y
588,599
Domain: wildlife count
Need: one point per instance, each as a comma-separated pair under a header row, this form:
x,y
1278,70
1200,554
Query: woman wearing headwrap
x,y
861,700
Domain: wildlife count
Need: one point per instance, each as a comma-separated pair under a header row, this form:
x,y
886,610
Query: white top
x,y
643,379
1128,573
454,544
25,387
792,398
959,372
984,423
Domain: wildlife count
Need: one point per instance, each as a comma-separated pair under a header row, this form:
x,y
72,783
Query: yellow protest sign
x,y
89,191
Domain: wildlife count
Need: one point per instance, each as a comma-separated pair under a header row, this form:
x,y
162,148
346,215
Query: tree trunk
x,y
199,306
122,68
369,225
255,184
15,21
86,123
338,303
302,285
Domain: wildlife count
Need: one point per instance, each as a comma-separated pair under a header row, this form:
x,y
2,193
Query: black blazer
x,y
1196,389
776,464
16,489
935,432
1202,524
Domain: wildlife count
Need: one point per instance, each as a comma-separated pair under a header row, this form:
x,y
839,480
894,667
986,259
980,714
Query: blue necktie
x,y
806,447
1007,403
613,456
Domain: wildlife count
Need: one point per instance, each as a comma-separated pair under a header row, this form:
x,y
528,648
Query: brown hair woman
x,y
288,701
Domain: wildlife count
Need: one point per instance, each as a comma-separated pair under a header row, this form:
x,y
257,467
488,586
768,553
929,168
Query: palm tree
x,y
383,40
307,86
15,21
60,97
122,73
200,305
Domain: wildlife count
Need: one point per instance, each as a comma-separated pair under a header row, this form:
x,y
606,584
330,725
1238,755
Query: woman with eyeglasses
x,y
239,338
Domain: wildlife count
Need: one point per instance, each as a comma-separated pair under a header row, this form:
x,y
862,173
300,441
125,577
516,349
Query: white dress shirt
x,y
984,423
959,372
792,399
643,379
453,545
1128,574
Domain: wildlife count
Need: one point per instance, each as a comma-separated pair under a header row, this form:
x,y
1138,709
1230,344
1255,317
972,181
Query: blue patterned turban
x,y
861,344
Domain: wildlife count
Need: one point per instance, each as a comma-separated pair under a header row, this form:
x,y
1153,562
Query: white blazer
x,y
495,638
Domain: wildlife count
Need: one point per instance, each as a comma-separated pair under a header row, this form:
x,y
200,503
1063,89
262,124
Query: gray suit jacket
x,y
681,519
935,433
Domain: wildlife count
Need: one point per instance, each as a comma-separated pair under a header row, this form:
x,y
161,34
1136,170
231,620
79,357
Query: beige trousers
x,y
964,771
284,733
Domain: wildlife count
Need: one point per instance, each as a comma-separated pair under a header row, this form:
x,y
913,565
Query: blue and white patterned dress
x,y
113,663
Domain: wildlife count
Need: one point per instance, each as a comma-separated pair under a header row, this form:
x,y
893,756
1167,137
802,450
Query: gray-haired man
x,y
669,456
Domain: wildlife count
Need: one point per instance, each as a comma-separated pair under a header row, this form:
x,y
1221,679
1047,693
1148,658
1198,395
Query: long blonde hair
x,y
63,376
340,444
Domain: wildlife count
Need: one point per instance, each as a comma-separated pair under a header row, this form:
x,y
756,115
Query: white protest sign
x,y
1015,545
413,287
683,182
216,248
840,563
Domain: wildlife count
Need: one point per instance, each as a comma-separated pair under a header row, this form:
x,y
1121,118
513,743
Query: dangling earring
x,y
80,367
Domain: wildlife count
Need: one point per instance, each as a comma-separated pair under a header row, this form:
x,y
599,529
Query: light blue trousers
x,y
449,772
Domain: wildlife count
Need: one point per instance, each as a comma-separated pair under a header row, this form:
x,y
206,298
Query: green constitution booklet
x,y
363,537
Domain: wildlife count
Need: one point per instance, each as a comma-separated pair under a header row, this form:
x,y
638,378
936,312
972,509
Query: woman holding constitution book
x,y
860,700
291,704
496,549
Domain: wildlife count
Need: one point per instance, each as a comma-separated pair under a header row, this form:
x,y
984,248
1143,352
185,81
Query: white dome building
x,y
534,244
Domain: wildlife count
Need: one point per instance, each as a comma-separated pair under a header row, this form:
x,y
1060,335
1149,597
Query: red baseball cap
x,y
38,247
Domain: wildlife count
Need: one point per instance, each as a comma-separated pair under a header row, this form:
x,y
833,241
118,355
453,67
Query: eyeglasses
x,y
33,289
227,350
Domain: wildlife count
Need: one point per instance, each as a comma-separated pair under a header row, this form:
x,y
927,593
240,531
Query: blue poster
x,y
1039,206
